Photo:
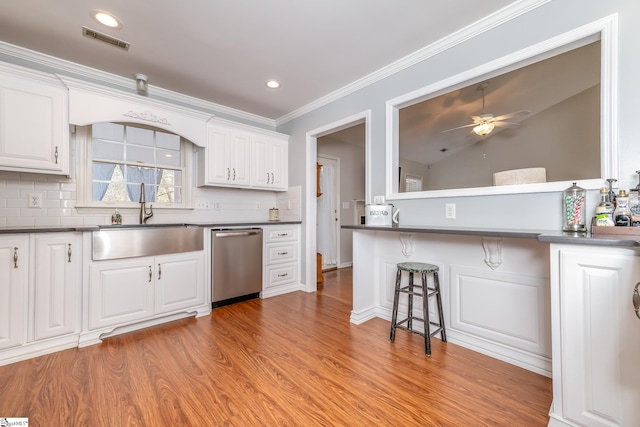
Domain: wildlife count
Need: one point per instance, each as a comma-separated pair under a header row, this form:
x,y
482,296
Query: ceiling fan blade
x,y
506,124
460,127
510,115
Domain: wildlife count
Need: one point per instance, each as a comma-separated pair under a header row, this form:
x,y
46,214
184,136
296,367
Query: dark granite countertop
x,y
17,230
548,236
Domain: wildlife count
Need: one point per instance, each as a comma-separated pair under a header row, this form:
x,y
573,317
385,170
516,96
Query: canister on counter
x,y
574,209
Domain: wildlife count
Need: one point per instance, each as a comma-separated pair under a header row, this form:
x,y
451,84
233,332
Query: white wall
x,y
530,211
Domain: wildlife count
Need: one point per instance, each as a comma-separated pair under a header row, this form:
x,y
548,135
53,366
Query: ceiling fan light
x,y
484,129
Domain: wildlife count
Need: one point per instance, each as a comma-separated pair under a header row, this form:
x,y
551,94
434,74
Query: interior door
x,y
328,237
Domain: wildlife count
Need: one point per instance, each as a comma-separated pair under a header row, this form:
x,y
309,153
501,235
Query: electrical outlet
x,y
217,206
202,204
257,206
34,200
450,211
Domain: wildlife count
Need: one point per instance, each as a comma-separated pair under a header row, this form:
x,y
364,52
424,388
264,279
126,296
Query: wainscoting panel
x,y
505,308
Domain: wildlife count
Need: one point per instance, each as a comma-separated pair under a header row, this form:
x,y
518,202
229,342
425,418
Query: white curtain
x,y
327,216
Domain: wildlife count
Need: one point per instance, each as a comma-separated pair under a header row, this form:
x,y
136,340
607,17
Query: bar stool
x,y
424,291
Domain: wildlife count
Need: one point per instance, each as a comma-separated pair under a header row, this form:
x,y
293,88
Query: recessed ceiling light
x,y
273,84
106,19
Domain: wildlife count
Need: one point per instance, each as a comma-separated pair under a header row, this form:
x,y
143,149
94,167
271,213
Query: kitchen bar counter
x,y
547,236
81,228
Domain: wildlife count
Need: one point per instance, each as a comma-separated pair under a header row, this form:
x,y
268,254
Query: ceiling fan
x,y
484,124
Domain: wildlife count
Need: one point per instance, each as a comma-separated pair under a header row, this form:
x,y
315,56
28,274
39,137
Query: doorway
x,y
310,229
328,236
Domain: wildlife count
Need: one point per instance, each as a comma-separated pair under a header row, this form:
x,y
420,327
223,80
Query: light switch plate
x,y
450,211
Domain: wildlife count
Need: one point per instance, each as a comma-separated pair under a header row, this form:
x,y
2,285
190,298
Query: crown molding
x,y
63,67
485,24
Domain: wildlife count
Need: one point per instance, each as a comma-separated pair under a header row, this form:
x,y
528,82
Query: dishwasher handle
x,y
234,233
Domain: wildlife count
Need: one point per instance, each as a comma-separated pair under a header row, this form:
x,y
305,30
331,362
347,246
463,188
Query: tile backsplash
x,y
53,204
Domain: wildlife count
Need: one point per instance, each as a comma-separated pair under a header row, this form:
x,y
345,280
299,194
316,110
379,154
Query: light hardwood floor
x,y
291,360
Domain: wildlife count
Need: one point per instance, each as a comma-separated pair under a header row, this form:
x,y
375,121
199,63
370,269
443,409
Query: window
x,y
121,157
413,183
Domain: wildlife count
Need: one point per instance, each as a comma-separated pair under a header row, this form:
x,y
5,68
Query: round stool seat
x,y
417,267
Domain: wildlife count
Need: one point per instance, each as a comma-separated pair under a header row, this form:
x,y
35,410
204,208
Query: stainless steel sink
x,y
129,242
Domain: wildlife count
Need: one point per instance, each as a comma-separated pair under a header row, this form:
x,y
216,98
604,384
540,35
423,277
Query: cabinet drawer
x,y
281,253
283,274
280,234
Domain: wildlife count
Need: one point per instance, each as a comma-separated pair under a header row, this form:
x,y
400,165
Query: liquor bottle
x,y
604,210
622,214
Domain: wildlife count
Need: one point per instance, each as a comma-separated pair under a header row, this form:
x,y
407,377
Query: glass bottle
x,y
116,218
604,210
634,203
573,201
622,214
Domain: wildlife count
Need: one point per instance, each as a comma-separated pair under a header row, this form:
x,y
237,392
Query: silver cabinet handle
x,y
283,275
15,257
56,154
228,174
283,253
69,252
150,274
272,180
283,234
267,177
159,271
636,300
234,174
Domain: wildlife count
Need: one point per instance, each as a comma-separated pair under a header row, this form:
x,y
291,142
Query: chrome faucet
x,y
144,214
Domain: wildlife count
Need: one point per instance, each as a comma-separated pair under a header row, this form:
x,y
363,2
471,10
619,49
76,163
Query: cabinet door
x,y
279,164
34,133
57,268
13,290
600,337
260,170
270,157
120,291
179,281
228,157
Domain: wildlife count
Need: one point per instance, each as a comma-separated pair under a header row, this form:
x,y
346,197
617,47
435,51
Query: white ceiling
x,y
225,51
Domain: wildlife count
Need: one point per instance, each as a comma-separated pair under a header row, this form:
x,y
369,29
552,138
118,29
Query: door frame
x,y
311,218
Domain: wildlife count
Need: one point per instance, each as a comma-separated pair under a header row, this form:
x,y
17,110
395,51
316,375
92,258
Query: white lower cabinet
x,y
126,291
14,276
281,255
39,294
57,260
596,336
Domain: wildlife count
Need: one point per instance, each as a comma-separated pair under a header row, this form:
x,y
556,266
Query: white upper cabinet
x,y
243,156
225,161
34,122
270,157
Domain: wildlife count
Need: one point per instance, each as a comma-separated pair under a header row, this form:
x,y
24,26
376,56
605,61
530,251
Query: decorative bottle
x,y
116,218
604,210
622,214
573,201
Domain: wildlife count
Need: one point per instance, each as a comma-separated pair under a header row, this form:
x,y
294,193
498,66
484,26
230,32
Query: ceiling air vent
x,y
93,34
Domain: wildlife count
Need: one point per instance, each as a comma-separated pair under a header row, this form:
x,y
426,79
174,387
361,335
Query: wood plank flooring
x,y
291,360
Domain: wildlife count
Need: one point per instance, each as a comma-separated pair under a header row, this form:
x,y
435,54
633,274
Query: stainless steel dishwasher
x,y
236,267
